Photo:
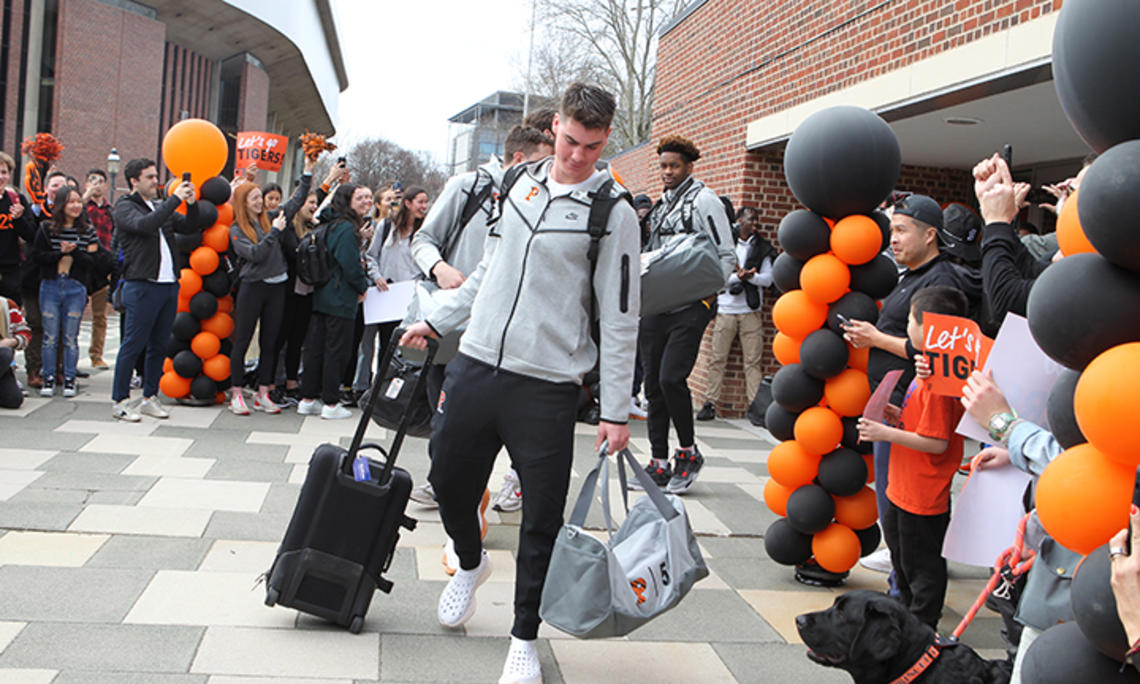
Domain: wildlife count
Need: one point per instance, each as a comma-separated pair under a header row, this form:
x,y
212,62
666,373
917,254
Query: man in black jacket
x,y
150,294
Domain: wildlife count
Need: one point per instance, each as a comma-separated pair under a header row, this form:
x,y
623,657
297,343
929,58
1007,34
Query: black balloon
x,y
785,545
187,242
851,437
884,223
1095,53
1094,605
187,364
804,234
842,472
794,389
203,305
207,214
176,345
203,387
855,306
1062,655
876,278
227,347
823,354
1081,306
217,283
841,161
810,509
216,190
185,326
786,272
869,538
780,422
1109,205
1062,420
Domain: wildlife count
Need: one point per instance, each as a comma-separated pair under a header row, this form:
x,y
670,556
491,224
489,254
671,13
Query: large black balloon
x,y
207,214
785,545
186,326
786,272
810,509
869,538
216,190
823,354
804,234
203,305
780,422
1109,204
227,347
187,364
217,283
794,389
855,306
1081,306
1095,58
842,472
1062,655
1094,605
884,223
842,160
876,278
176,345
187,242
203,387
1062,420
851,437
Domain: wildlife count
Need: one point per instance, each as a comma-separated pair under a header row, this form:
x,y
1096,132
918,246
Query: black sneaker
x,y
282,398
348,398
659,475
707,412
689,463
48,387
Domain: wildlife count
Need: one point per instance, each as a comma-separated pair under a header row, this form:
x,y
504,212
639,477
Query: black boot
x,y
707,412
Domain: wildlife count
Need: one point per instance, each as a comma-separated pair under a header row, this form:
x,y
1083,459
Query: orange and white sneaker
x,y
262,402
237,404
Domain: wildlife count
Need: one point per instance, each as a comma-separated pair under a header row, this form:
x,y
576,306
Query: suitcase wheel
x,y
384,585
357,624
271,596
409,523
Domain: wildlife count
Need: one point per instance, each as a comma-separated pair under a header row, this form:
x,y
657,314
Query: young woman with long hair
x,y
298,305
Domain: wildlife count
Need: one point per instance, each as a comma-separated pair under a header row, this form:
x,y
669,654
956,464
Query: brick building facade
x,y
737,76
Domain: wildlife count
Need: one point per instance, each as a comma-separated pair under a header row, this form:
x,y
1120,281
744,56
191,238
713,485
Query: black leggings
x,y
327,350
10,395
294,326
256,300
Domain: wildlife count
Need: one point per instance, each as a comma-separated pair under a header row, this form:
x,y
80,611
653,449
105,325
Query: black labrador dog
x,y
876,640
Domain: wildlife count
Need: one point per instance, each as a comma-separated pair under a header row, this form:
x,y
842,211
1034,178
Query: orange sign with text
x,y
954,346
265,150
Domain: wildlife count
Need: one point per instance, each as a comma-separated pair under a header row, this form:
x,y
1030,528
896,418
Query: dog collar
x,y
925,661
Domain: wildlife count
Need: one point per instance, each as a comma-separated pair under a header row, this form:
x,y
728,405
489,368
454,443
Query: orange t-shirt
x,y
919,482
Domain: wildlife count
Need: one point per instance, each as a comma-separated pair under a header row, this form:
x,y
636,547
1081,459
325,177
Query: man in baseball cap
x,y
961,234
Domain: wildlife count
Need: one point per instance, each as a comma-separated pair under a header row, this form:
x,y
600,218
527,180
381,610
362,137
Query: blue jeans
x,y
149,315
62,301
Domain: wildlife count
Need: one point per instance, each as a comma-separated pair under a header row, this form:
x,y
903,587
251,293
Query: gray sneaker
x,y
151,407
687,463
424,495
124,410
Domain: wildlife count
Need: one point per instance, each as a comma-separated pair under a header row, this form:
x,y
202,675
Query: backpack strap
x,y
476,197
602,203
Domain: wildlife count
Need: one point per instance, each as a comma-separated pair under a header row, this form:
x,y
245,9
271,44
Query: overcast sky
x,y
411,65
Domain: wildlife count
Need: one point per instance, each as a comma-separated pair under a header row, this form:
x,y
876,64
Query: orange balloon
x,y
217,367
858,358
204,261
869,459
776,497
221,324
183,304
189,283
1083,498
1070,236
1105,403
825,278
818,430
217,237
220,398
225,304
197,147
225,215
205,345
174,385
837,548
167,365
847,394
858,511
856,239
796,315
786,349
792,466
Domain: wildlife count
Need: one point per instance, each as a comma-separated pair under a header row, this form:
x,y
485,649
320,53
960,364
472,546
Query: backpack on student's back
x,y
314,265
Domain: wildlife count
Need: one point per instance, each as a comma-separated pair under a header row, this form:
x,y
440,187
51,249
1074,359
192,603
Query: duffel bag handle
x,y
600,471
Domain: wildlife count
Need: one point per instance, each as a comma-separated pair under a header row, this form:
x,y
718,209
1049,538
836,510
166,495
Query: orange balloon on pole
x,y
174,385
847,393
825,278
1083,498
856,239
167,365
189,283
818,430
786,349
1071,237
792,466
217,237
217,367
1105,403
858,358
205,345
183,304
225,214
796,315
204,261
858,511
225,304
776,497
220,324
836,548
197,147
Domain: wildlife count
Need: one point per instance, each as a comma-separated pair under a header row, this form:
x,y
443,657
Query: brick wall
x,y
12,137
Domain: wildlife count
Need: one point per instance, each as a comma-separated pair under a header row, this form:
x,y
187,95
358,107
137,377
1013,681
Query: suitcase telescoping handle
x,y
402,428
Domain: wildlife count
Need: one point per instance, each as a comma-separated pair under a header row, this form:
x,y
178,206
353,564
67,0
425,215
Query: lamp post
x,y
113,169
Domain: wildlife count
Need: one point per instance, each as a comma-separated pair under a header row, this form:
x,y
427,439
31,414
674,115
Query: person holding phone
x,y
261,297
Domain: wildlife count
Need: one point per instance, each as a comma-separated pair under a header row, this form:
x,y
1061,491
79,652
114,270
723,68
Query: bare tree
x,y
376,161
558,60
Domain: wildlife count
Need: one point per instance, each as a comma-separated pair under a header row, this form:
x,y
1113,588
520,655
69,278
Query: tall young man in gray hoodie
x,y
523,355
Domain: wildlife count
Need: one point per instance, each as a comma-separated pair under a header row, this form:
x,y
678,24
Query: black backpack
x,y
314,266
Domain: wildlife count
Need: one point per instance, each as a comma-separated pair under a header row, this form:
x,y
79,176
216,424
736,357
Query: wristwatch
x,y
999,426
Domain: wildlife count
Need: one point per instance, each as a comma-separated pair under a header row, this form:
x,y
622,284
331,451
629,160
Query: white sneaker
x,y
151,407
509,497
335,412
264,403
309,407
635,410
424,495
879,561
237,404
123,410
450,557
457,602
522,666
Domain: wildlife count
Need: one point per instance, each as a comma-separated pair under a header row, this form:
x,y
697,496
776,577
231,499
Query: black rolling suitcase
x,y
343,533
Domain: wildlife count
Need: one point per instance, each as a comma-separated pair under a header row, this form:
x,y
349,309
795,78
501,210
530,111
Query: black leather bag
x,y
402,393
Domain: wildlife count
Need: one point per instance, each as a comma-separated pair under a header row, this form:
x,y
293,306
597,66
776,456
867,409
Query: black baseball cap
x,y
921,208
961,233
642,201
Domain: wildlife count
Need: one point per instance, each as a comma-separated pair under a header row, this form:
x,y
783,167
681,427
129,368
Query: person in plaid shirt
x,y
14,336
99,215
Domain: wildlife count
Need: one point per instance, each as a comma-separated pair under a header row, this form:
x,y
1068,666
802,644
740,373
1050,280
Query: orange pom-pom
x,y
204,261
776,497
856,239
221,324
847,394
1070,236
205,344
858,511
792,466
217,237
174,385
217,367
786,349
818,430
225,214
1083,497
836,548
825,278
796,315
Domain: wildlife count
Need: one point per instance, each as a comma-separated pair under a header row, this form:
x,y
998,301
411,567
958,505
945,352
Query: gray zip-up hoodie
x,y
528,300
260,260
439,224
708,214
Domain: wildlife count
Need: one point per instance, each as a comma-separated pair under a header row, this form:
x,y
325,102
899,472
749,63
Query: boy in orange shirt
x,y
925,454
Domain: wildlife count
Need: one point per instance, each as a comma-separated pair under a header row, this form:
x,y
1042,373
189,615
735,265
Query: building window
x,y
47,66
488,148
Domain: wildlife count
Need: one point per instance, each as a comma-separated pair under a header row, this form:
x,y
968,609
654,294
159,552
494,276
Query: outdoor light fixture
x,y
113,169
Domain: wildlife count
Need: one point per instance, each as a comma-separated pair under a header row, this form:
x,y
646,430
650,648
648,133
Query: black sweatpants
x,y
256,300
327,349
915,542
668,344
294,327
481,410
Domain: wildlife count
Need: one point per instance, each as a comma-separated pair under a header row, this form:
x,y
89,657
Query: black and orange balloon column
x,y
840,163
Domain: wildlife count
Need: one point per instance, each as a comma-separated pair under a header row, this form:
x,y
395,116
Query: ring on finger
x,y
1115,551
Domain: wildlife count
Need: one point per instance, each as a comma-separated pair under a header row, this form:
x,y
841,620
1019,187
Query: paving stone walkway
x,y
132,552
